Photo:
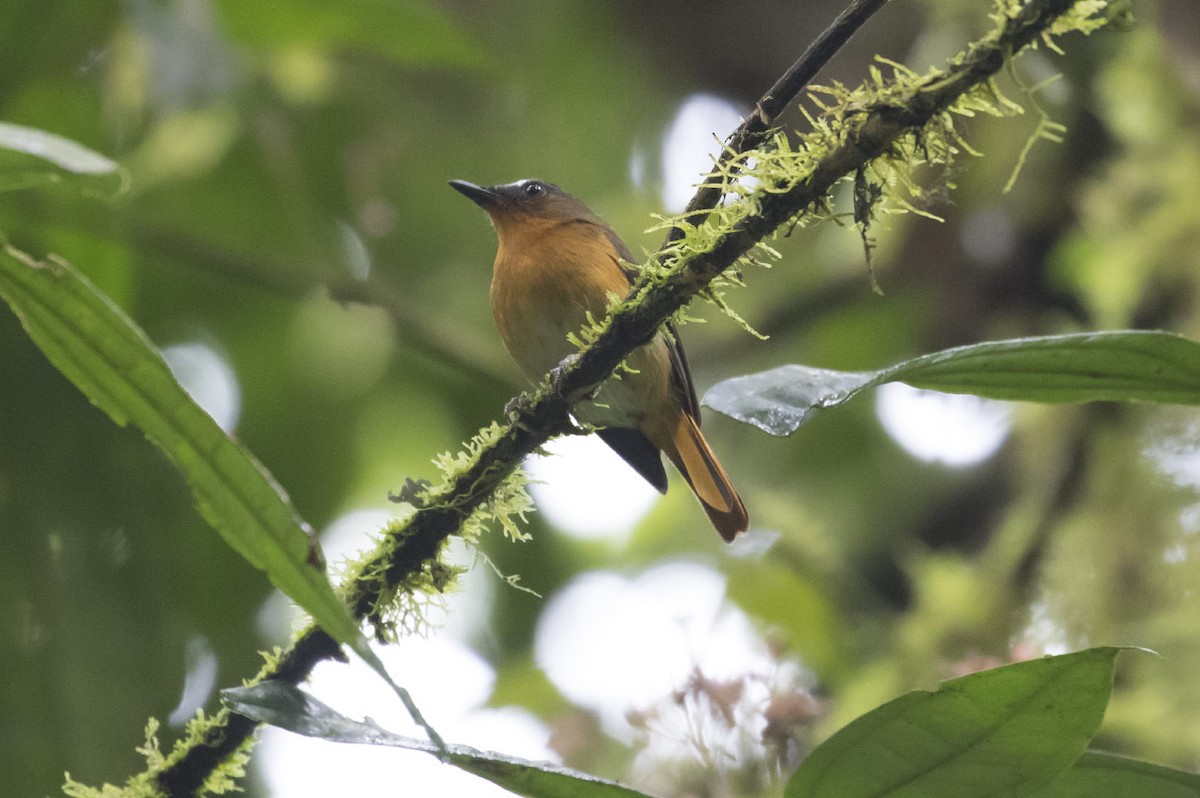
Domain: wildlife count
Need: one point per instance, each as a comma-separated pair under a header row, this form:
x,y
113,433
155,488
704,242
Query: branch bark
x,y
754,129
870,134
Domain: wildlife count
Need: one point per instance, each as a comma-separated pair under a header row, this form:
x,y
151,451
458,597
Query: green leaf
x,y
29,150
292,709
61,152
1008,731
114,364
780,400
111,361
1100,775
1120,365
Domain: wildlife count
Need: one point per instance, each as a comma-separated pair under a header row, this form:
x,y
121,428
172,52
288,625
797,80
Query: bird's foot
x,y
558,375
559,372
516,407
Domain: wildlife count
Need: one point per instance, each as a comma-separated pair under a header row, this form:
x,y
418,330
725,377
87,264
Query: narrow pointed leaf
x,y
1009,731
1120,365
292,709
111,361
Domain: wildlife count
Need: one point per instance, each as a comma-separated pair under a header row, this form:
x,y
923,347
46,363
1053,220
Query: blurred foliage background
x,y
286,215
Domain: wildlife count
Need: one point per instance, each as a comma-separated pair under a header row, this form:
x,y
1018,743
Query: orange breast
x,y
548,276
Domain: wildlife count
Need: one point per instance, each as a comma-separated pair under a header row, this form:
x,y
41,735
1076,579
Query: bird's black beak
x,y
485,198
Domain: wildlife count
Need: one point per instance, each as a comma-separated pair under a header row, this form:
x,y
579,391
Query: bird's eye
x,y
534,189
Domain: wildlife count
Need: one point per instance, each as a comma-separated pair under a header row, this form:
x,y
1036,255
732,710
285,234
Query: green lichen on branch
x,y
893,125
223,778
140,785
889,127
389,586
889,131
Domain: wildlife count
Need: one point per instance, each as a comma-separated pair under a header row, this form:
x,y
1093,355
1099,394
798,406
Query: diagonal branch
x,y
754,129
672,278
868,135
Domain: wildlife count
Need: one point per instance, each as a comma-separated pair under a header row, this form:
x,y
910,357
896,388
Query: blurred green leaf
x,y
409,31
292,709
1120,365
27,150
111,361
17,179
61,152
1007,731
1100,775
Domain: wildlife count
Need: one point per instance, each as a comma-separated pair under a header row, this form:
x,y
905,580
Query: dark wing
x,y
681,375
633,446
637,450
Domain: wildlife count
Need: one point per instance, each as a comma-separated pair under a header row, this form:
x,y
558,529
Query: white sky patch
x,y
611,644
1043,634
198,682
1172,445
448,682
586,490
691,144
208,379
953,429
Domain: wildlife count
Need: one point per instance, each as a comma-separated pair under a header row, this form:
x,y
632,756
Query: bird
x,y
557,264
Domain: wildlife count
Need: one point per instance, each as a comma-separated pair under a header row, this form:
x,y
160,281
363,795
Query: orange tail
x,y
690,454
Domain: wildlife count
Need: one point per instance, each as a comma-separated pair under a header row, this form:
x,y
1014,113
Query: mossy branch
x,y
756,128
859,129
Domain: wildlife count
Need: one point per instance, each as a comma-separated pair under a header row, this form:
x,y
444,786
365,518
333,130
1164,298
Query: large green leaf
x,y
1100,775
1120,365
111,361
292,709
1007,731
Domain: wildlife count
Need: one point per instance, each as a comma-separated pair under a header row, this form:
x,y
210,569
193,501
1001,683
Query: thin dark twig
x,y
753,130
